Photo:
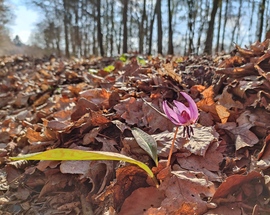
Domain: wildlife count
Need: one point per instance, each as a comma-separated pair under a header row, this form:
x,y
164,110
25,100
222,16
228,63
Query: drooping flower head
x,y
180,114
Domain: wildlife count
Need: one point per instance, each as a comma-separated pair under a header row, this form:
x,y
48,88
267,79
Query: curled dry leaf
x,y
138,202
97,96
242,136
201,140
128,179
184,193
263,159
130,110
210,161
154,120
234,183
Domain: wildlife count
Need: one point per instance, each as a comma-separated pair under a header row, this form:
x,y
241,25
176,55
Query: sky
x,y
24,20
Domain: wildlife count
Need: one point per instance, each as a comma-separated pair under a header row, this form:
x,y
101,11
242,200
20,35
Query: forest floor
x,y
93,104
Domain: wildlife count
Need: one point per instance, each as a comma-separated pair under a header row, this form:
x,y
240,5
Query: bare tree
x,y
237,23
159,27
219,25
202,13
170,42
66,27
224,25
210,30
261,19
142,28
125,29
100,35
151,30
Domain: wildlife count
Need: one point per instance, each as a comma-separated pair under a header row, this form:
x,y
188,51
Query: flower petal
x,y
192,107
181,107
171,114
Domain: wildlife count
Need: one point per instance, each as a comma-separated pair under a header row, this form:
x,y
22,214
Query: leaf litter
x,y
76,104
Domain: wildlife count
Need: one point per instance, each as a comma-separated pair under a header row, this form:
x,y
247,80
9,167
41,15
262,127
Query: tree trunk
x,y
203,21
210,30
252,9
170,42
99,29
112,29
159,27
66,24
224,25
141,29
219,25
261,18
151,31
125,29
191,23
237,22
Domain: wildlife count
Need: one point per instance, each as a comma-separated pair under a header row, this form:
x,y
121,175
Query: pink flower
x,y
180,114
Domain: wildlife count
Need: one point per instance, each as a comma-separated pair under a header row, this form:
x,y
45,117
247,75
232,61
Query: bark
x,y
261,18
210,30
237,22
112,29
192,14
159,27
219,25
224,25
99,28
141,29
66,29
151,31
170,42
125,29
203,21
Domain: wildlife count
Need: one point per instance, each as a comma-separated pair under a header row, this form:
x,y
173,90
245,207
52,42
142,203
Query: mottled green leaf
x,y
146,142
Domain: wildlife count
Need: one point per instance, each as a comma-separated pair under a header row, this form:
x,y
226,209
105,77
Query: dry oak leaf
x,y
210,161
201,140
196,144
243,137
54,183
97,96
128,179
226,100
164,141
183,193
130,110
83,106
264,155
233,183
231,209
154,120
141,200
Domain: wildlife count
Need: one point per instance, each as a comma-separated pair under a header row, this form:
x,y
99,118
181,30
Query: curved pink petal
x,y
182,111
181,107
171,114
182,118
192,107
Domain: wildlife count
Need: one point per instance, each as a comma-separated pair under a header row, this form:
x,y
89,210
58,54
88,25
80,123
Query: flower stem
x,y
172,146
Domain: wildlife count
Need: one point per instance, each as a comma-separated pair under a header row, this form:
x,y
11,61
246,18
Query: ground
x,y
96,104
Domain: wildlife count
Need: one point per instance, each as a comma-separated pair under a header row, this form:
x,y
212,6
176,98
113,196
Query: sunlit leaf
x,y
123,58
93,71
146,142
141,60
75,154
109,68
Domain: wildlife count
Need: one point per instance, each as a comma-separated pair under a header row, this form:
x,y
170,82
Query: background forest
x,y
107,28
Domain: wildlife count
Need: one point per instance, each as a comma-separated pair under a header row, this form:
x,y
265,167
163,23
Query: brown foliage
x,y
61,104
